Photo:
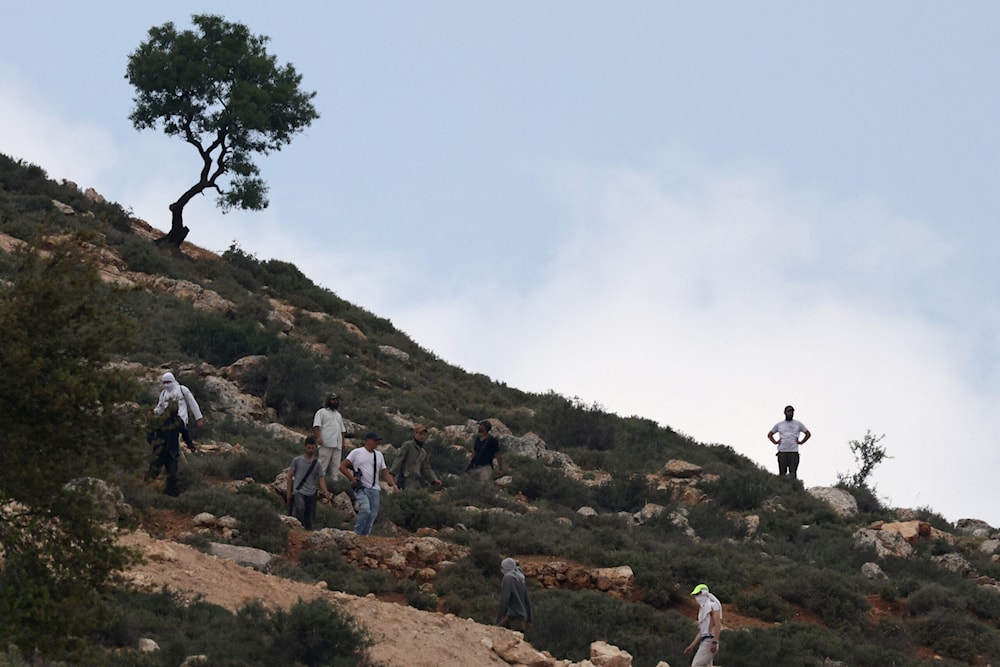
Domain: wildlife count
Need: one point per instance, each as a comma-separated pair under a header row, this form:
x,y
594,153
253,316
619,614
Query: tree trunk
x,y
178,232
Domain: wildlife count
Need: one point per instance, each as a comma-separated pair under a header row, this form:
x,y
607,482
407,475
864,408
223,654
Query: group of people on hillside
x,y
365,466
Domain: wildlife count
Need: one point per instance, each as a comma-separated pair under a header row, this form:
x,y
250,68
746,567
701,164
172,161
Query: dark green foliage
x,y
296,384
59,325
575,424
221,341
765,605
219,90
326,565
933,597
829,594
258,518
416,508
469,592
313,633
741,490
566,623
535,481
953,634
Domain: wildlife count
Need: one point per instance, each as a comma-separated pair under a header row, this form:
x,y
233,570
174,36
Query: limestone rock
x,y
885,543
258,559
110,501
516,652
603,654
872,571
147,645
974,527
842,502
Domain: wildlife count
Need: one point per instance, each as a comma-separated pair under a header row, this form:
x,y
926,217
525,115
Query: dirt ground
x,y
404,636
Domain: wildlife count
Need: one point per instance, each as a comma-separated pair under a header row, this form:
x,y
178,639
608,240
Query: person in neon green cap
x,y
706,643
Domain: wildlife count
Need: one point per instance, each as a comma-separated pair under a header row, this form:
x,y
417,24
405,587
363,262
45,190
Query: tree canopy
x,y
219,90
66,415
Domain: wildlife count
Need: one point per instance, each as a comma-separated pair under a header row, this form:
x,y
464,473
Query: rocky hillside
x,y
612,519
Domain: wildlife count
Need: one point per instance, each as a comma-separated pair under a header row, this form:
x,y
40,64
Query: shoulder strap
x,y
374,468
306,476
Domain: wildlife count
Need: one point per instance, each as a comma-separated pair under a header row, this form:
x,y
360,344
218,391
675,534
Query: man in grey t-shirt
x,y
303,475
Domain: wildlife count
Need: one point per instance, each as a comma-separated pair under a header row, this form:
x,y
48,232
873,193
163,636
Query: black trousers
x,y
788,462
305,509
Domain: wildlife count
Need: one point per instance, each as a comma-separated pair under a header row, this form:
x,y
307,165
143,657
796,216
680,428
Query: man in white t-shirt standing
x,y
328,429
788,442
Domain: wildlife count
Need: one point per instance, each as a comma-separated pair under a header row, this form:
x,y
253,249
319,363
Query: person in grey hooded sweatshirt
x,y
187,407
515,605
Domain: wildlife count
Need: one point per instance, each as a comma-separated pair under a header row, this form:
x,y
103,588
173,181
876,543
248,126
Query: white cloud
x,y
66,149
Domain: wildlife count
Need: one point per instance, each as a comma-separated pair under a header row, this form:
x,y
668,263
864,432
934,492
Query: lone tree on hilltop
x,y
219,90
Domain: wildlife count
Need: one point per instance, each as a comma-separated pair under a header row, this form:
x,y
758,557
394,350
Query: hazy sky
x,y
691,212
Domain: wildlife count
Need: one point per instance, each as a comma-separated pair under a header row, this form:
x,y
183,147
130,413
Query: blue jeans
x,y
368,501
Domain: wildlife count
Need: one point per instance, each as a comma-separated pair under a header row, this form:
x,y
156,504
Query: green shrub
x,y
954,635
740,490
416,508
932,597
765,605
830,594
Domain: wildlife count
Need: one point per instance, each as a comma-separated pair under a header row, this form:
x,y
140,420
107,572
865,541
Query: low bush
x,y
765,605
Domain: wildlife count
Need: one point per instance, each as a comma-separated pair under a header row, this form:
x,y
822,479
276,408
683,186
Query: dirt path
x,y
404,636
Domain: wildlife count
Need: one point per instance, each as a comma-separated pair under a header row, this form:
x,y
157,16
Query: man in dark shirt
x,y
484,448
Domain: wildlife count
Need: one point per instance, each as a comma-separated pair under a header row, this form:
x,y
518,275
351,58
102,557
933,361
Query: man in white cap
x,y
187,407
706,642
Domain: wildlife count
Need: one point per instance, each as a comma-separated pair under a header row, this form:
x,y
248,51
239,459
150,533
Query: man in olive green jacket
x,y
412,467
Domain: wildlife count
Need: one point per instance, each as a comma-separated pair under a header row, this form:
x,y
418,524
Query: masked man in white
x,y
706,643
187,407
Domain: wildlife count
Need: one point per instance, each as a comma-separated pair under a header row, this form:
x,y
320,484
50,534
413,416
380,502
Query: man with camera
x,y
363,466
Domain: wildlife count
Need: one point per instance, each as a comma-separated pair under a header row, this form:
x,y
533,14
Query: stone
x,y
842,502
885,543
974,527
603,654
147,645
872,571
516,652
65,209
394,353
205,519
258,559
681,469
109,500
956,563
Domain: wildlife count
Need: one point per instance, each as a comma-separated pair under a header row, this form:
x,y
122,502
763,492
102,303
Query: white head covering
x,y
509,566
171,392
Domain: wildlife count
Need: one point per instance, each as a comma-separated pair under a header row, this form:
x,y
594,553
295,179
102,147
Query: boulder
x,y
603,654
394,353
956,563
842,502
681,469
885,543
258,559
872,571
515,651
108,498
974,527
